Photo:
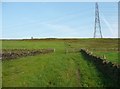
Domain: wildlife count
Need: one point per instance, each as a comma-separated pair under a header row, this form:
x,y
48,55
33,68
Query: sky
x,y
57,19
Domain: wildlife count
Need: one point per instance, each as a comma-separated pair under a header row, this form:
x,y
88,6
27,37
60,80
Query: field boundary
x,y
108,68
17,53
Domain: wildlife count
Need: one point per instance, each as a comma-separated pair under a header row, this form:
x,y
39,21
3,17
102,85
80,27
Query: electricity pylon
x,y
97,28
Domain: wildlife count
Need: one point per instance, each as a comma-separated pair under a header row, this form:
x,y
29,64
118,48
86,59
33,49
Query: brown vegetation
x,y
17,53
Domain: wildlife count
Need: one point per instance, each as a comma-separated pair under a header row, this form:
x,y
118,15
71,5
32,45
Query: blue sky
x,y
57,19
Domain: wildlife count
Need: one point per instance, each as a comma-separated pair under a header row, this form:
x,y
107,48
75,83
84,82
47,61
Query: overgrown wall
x,y
17,53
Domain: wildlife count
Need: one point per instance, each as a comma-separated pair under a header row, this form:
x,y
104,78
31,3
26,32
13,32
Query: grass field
x,y
110,56
59,69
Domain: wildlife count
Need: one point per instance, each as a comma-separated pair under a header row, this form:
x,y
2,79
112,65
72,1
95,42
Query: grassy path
x,y
51,70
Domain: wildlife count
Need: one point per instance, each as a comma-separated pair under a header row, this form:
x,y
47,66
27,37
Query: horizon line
x,y
51,38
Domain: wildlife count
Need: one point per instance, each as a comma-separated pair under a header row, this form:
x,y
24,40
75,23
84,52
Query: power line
x,y
97,28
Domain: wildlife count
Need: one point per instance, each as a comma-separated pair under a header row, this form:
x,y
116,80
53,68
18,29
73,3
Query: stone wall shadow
x,y
109,71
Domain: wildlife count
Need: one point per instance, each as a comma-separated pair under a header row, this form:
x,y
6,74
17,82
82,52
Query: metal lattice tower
x,y
97,28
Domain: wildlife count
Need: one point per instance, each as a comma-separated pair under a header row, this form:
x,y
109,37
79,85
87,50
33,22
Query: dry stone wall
x,y
106,67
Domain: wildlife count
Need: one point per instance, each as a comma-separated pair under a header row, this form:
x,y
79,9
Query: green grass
x,y
110,56
79,43
51,70
0,74
58,69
